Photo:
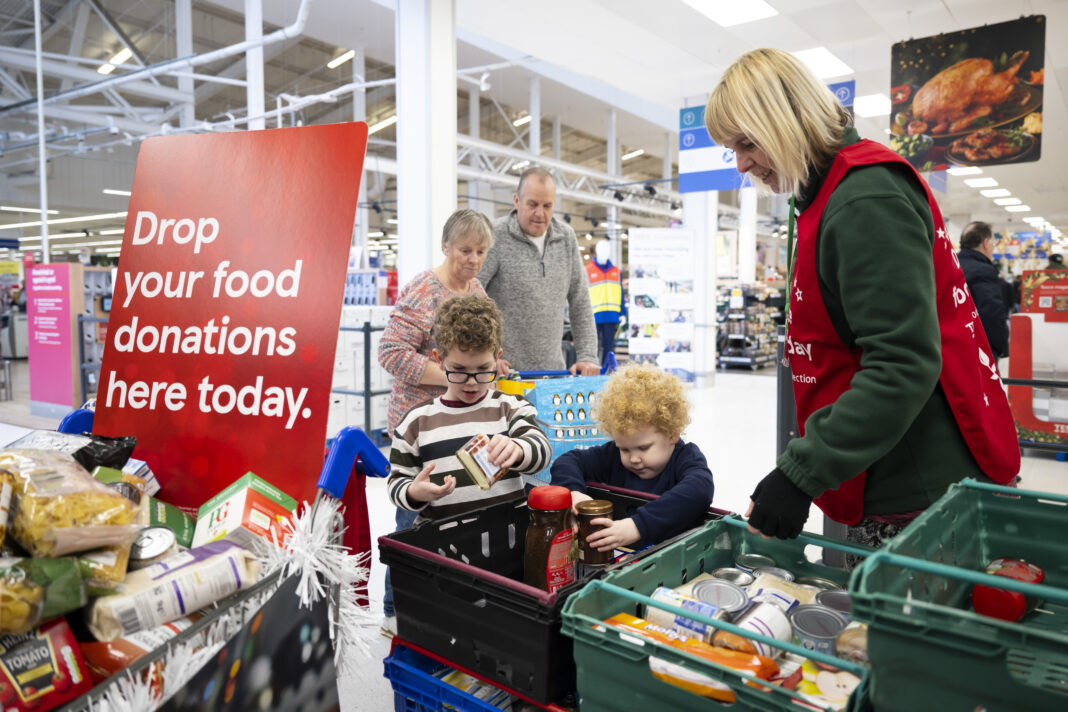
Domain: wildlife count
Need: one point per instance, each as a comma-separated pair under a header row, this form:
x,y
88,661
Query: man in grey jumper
x,y
532,270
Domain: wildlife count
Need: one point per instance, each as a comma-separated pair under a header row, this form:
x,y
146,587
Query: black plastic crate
x,y
459,592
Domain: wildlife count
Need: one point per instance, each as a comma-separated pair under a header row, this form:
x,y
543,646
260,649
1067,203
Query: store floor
x,y
733,422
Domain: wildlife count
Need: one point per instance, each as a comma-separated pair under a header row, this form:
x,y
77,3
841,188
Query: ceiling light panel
x,y
980,183
995,193
823,63
872,105
1018,208
965,171
1007,201
728,13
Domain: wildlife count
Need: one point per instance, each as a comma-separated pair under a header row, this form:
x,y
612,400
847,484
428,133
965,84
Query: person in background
x,y
606,298
533,271
989,291
644,411
1056,261
896,396
407,344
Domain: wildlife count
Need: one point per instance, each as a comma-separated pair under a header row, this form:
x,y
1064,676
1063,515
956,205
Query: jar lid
x,y
549,497
595,507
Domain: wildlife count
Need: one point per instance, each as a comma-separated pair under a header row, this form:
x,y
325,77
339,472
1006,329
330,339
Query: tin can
x,y
852,644
682,624
817,582
817,627
774,571
1007,605
764,619
749,562
735,576
724,595
153,544
838,600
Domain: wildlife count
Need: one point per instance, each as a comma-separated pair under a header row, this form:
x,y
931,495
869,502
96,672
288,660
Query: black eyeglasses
x,y
464,376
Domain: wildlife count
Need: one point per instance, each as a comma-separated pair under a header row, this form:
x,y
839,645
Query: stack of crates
x,y
929,649
613,666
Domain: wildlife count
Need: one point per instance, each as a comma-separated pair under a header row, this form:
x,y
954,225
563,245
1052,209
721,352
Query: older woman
x,y
896,390
406,346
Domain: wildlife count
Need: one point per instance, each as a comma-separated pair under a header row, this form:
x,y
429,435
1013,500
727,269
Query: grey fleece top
x,y
531,291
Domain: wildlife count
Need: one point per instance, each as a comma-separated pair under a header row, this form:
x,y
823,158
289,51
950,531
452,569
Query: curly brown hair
x,y
639,396
471,323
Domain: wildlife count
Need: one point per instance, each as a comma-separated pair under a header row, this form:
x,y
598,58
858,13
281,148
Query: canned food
x,y
735,576
838,600
774,571
153,544
764,619
817,627
1007,605
817,582
852,643
682,624
724,595
749,562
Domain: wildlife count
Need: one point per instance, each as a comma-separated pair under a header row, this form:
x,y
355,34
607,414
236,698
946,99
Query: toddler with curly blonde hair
x,y
644,410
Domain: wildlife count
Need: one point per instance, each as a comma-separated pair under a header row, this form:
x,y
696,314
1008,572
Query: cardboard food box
x,y
250,507
42,669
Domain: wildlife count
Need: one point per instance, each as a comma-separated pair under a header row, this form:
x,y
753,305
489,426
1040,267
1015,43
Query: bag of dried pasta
x,y
58,508
33,591
7,489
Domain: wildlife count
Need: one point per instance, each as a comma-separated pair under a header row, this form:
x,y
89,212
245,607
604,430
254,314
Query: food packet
x,y
58,508
36,590
88,450
41,670
179,585
108,658
474,456
104,569
7,489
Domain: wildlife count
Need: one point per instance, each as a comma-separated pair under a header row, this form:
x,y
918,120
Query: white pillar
x,y
480,193
747,213
534,135
612,145
699,213
42,156
183,37
359,113
426,143
669,142
254,64
556,138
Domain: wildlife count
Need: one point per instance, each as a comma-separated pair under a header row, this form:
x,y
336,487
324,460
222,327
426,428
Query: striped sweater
x,y
432,432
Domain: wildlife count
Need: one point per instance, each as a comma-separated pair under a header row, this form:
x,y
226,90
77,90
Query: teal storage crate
x,y
929,649
613,667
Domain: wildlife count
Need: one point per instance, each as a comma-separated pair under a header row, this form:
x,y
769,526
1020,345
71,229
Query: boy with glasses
x,y
426,475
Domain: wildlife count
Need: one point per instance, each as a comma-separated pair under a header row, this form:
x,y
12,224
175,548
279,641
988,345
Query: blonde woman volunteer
x,y
896,390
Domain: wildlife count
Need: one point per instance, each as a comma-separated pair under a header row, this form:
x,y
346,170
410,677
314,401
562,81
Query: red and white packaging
x,y
42,669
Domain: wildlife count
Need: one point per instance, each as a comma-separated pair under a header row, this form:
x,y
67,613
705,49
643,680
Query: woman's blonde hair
x,y
467,223
770,97
640,396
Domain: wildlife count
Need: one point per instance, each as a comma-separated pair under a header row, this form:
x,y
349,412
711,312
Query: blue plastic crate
x,y
416,689
567,408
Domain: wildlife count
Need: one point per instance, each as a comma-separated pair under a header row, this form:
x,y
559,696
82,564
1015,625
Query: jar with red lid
x,y
547,562
1007,605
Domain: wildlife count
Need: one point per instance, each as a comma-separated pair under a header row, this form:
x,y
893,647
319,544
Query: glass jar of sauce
x,y
587,512
547,562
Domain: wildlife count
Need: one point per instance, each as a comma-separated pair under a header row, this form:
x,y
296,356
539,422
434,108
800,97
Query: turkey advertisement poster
x,y
224,323
969,98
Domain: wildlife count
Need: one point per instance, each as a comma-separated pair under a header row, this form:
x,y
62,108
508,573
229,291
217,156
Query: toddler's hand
x,y
423,490
577,497
504,451
615,534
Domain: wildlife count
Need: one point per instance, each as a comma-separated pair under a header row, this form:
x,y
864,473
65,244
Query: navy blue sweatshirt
x,y
685,486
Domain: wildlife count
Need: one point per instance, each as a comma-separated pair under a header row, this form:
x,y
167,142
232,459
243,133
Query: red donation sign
x,y
225,314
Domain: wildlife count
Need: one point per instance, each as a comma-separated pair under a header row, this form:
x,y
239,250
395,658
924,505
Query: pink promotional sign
x,y
49,332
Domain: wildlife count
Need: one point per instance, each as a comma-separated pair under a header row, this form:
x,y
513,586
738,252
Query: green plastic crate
x,y
929,650
613,667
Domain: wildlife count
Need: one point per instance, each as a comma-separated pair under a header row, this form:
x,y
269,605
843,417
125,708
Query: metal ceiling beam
x,y
124,38
77,39
56,25
12,85
25,62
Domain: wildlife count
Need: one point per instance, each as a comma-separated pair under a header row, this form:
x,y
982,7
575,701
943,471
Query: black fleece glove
x,y
780,508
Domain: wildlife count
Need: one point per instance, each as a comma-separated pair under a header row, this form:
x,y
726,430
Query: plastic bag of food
x,y
58,508
36,590
104,569
106,659
89,450
179,585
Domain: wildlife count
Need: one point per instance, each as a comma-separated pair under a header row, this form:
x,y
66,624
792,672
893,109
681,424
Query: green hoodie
x,y
876,277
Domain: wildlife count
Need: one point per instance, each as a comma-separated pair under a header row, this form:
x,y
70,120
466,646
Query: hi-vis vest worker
x,y
822,365
606,294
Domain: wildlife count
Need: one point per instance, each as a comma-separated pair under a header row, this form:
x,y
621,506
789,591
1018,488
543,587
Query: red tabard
x,y
823,366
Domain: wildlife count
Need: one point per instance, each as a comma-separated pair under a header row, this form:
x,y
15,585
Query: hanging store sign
x,y
224,321
970,98
50,339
